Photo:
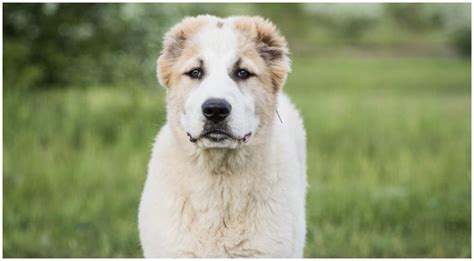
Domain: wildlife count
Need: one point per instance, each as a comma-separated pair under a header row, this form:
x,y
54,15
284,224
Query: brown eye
x,y
195,73
242,74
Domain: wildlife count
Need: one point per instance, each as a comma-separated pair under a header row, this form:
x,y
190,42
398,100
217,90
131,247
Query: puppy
x,y
227,176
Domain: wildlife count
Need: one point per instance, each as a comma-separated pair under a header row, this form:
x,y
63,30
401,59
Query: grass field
x,y
388,161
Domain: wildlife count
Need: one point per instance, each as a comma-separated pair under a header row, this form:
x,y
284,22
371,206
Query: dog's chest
x,y
222,227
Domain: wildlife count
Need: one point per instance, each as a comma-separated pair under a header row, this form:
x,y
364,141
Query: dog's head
x,y
222,78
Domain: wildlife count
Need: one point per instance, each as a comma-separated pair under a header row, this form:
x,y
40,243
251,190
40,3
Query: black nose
x,y
216,110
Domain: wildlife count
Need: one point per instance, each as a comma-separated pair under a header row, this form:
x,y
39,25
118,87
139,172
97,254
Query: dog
x,y
227,175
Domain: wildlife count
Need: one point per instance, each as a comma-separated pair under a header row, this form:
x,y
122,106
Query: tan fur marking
x,y
175,42
270,45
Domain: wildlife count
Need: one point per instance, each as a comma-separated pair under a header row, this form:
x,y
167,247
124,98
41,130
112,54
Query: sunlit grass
x,y
388,161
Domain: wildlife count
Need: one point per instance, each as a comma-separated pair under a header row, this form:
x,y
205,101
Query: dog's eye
x,y
243,74
195,73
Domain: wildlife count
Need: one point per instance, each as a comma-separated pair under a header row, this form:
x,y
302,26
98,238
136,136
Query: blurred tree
x,y
57,44
53,44
346,22
412,17
462,41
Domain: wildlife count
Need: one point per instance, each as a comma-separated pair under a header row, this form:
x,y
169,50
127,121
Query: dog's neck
x,y
227,161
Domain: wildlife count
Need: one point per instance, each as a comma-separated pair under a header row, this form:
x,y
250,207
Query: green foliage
x,y
462,42
413,17
388,161
16,70
83,44
62,45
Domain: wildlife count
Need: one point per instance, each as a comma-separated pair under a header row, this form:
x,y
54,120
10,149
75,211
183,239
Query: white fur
x,y
218,51
238,201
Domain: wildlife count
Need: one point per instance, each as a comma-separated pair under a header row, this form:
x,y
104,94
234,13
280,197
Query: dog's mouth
x,y
219,136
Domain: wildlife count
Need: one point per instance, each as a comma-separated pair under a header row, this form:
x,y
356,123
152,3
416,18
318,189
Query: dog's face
x,y
222,77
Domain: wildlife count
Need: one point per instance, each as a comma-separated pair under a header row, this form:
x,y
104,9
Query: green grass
x,y
388,162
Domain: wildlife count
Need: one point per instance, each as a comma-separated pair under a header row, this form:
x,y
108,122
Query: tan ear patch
x,y
175,42
270,45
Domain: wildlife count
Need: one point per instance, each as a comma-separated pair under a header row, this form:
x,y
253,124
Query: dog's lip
x,y
217,135
227,135
219,132
246,137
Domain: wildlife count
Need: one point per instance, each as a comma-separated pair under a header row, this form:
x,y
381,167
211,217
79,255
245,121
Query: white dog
x,y
227,177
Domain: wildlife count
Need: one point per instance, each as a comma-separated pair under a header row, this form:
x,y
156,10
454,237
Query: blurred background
x,y
384,89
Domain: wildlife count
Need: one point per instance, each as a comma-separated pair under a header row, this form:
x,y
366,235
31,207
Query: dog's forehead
x,y
218,41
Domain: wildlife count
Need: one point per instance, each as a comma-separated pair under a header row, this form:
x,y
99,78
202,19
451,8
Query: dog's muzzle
x,y
216,112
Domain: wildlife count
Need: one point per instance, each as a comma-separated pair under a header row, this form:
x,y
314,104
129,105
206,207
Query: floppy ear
x,y
271,47
173,45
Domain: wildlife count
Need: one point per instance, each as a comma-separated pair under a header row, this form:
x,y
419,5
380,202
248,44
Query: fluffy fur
x,y
231,198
